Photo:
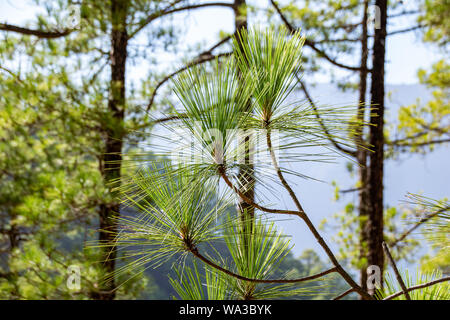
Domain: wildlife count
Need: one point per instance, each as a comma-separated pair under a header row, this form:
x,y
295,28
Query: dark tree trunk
x,y
374,225
111,159
361,154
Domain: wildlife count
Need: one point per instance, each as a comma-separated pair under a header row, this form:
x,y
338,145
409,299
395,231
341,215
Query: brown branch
x,y
344,294
168,11
225,178
350,190
419,286
419,144
416,225
310,43
397,273
404,30
335,40
198,255
38,33
329,59
202,58
401,140
280,174
322,124
313,229
170,118
404,13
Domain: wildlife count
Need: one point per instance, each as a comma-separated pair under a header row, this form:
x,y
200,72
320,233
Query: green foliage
x,y
435,18
190,284
173,199
435,219
438,291
423,126
347,227
176,216
257,250
53,119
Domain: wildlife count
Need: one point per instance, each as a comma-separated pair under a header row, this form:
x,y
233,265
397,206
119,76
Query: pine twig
x,y
344,294
198,255
397,273
419,286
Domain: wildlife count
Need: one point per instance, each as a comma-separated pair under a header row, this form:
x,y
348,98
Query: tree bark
x,y
361,153
374,227
111,159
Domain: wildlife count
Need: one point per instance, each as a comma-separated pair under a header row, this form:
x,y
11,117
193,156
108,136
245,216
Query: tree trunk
x,y
111,159
374,225
361,154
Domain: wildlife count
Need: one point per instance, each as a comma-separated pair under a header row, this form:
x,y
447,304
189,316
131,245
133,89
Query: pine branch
x,y
280,174
311,44
203,57
403,13
170,10
33,32
170,118
416,225
397,273
416,287
420,144
344,294
315,42
225,178
302,214
322,124
350,190
198,255
405,30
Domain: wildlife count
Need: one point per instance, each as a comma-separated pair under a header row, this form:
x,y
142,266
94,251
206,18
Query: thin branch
x,y
420,144
322,124
397,273
329,59
302,214
419,286
202,58
404,13
16,77
401,140
168,11
170,118
405,30
344,294
197,254
280,174
38,33
310,43
350,190
335,40
225,178
416,225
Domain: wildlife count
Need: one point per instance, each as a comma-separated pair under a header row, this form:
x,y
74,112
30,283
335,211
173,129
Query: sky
x,y
405,52
405,55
